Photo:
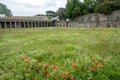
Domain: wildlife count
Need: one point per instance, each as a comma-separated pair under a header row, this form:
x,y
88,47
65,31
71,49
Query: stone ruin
x,y
95,20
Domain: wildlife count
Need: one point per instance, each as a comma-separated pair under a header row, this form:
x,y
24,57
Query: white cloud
x,y
32,7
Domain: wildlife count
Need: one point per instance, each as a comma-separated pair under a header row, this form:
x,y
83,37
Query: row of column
x,y
25,24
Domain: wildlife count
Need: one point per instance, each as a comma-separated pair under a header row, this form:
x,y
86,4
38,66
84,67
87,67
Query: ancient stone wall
x,y
96,20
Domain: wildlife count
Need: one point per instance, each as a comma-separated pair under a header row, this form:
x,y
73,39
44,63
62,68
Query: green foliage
x,y
107,7
49,17
4,10
72,8
76,8
61,13
89,6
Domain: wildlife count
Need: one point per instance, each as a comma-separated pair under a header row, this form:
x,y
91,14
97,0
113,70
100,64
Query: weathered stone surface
x,y
96,20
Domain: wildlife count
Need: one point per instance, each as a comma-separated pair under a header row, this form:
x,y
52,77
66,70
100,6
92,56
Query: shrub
x,y
108,6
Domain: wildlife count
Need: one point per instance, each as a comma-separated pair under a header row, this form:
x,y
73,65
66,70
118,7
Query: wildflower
x,y
92,68
47,76
64,75
91,56
28,71
55,67
82,65
46,66
38,74
71,78
67,75
33,67
75,66
36,62
28,61
57,77
41,65
96,63
93,60
33,78
46,71
100,65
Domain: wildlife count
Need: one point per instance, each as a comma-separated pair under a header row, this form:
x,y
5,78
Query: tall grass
x,y
60,54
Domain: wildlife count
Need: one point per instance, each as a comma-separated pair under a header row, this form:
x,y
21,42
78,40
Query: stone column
x,y
5,25
38,24
47,24
32,24
35,24
20,24
24,24
10,24
44,23
0,26
28,24
50,23
15,25
41,24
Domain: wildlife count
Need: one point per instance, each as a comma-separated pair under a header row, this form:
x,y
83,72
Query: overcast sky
x,y
32,7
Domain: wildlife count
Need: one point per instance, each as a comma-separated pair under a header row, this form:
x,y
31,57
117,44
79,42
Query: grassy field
x,y
60,54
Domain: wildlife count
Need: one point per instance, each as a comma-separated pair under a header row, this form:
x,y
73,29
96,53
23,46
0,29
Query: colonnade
x,y
25,24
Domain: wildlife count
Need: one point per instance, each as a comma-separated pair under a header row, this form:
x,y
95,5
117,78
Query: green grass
x,y
60,54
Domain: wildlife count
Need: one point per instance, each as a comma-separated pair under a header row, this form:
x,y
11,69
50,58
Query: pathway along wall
x,y
95,20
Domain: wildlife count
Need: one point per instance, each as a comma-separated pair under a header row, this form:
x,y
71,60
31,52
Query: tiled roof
x,y
26,18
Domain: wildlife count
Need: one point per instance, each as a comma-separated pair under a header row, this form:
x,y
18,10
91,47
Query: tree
x,y
107,6
73,8
89,6
51,13
40,15
61,13
4,10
